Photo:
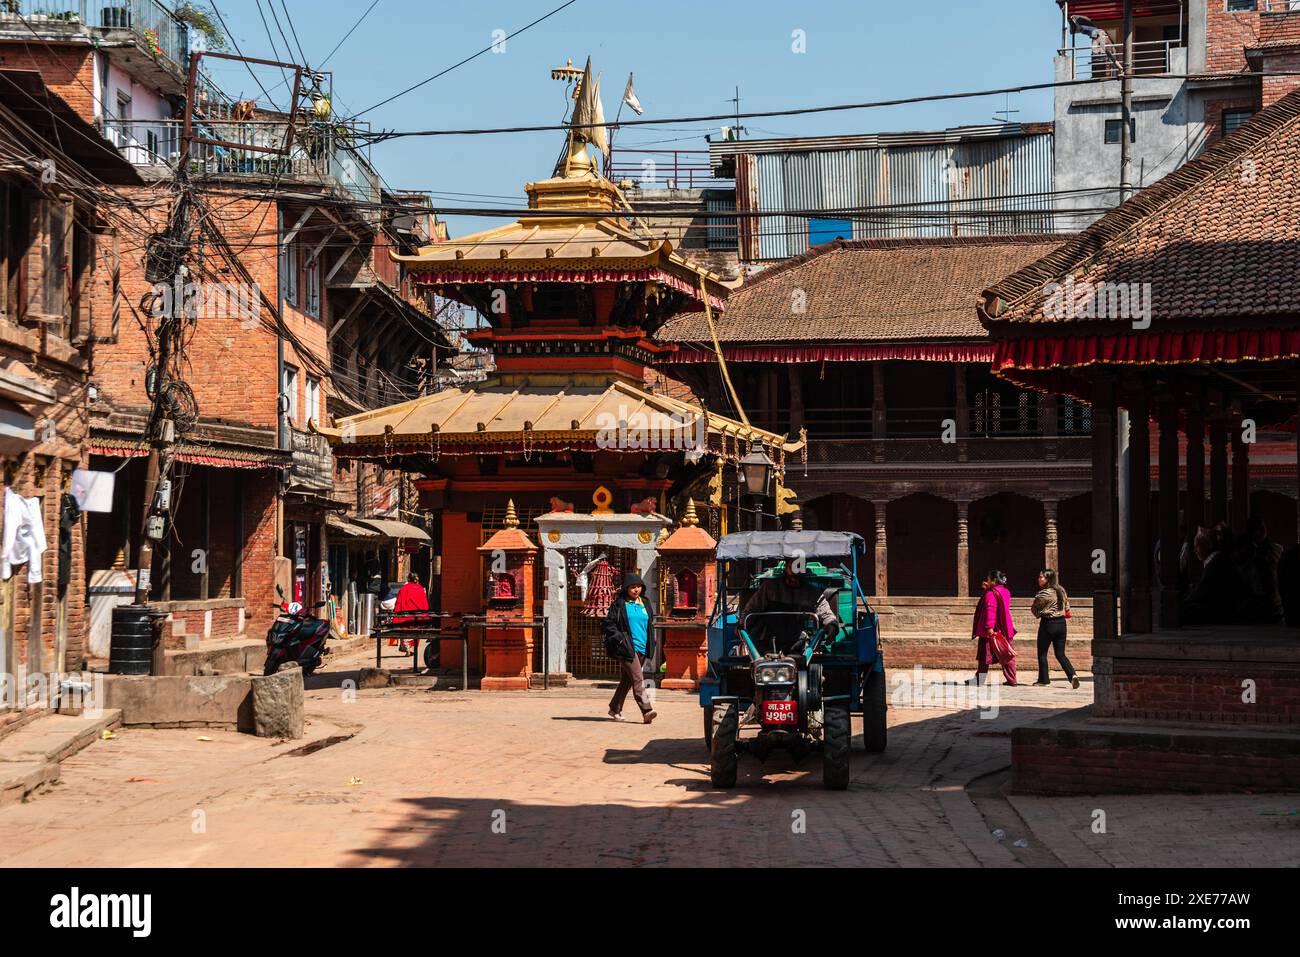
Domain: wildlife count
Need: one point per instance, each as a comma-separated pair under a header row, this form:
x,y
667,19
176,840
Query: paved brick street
x,y
435,771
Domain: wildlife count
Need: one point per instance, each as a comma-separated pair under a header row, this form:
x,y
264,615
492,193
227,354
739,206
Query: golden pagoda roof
x,y
597,243
495,416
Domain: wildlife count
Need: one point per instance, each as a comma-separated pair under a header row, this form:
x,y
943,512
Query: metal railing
x,y
317,151
663,169
1149,57
153,23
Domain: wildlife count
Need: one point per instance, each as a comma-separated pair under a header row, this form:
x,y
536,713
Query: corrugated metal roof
x,y
930,185
805,144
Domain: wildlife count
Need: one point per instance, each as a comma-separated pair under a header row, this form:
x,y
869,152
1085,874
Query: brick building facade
x,y
302,317
57,253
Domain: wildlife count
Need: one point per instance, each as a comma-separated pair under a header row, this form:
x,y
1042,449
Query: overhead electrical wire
x,y
474,56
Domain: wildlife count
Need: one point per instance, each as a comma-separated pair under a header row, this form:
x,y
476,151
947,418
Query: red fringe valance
x,y
1147,348
852,352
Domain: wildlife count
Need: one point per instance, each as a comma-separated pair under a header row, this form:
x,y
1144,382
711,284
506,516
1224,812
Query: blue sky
x,y
687,56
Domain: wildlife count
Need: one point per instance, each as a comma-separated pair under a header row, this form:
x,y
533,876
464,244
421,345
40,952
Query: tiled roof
x,y
1218,240
867,290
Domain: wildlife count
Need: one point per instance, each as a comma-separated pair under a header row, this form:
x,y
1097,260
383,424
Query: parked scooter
x,y
296,635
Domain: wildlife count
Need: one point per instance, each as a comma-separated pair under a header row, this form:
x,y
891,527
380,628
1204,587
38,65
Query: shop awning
x,y
392,528
337,525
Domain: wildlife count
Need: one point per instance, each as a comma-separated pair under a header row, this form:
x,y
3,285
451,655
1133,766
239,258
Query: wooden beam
x,y
311,257
292,234
355,308
339,265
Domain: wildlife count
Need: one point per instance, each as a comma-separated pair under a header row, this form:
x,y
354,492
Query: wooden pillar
x,y
1218,470
882,550
963,549
1194,513
1104,501
1051,536
1137,606
1240,480
794,372
961,405
1170,540
205,576
878,400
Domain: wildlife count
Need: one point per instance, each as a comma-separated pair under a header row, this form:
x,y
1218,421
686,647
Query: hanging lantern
x,y
757,469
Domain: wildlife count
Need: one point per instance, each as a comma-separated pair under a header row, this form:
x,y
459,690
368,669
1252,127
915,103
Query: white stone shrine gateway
x,y
561,531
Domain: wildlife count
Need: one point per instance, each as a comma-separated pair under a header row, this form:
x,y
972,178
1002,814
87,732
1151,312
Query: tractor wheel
x,y
722,766
875,733
708,726
837,735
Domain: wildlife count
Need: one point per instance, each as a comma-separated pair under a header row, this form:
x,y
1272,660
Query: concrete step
x,y
30,756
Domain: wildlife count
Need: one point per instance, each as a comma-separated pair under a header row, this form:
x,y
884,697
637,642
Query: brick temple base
x,y
1208,710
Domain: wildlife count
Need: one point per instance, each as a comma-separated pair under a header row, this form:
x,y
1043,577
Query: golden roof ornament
x,y
512,518
689,518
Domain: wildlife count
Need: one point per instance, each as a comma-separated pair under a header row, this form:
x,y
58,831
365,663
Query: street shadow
x,y
675,817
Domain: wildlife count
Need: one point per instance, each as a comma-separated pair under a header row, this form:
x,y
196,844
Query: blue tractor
x,y
780,678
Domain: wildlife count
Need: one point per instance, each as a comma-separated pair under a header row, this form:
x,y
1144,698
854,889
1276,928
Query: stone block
x,y
278,704
171,700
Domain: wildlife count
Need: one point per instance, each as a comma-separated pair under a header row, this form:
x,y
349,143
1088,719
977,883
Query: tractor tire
x,y
708,726
875,730
837,736
722,765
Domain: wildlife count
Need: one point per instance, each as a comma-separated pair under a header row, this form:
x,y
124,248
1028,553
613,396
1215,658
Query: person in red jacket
x,y
994,630
411,597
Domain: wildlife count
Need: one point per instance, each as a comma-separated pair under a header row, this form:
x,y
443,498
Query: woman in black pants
x,y
1052,607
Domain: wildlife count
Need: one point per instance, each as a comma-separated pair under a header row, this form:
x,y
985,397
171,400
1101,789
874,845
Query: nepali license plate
x,y
780,712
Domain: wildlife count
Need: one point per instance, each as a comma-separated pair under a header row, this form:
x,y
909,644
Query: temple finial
x,y
689,518
512,518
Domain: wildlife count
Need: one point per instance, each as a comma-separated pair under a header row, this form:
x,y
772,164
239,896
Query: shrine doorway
x,y
570,542
586,645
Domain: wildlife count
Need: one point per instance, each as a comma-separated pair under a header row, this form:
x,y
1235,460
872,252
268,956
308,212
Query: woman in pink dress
x,y
994,630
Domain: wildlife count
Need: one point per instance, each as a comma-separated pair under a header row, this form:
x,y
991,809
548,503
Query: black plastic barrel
x,y
131,651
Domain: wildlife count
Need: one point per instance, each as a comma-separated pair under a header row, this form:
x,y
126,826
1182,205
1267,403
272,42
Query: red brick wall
x,y
1188,693
1227,35
68,70
1044,761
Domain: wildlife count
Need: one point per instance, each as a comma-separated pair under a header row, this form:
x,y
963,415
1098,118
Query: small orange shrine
x,y
571,295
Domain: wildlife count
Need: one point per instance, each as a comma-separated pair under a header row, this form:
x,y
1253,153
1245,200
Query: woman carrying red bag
x,y
994,630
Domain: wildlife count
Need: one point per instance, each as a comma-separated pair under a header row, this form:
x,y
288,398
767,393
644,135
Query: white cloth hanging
x,y
24,536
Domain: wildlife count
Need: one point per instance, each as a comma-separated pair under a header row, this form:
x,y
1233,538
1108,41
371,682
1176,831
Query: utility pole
x,y
1126,108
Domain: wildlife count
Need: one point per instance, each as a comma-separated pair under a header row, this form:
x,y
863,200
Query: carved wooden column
x,y
794,371
1240,511
1051,536
878,400
1137,607
1170,541
963,549
882,550
1194,512
1218,470
1105,532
